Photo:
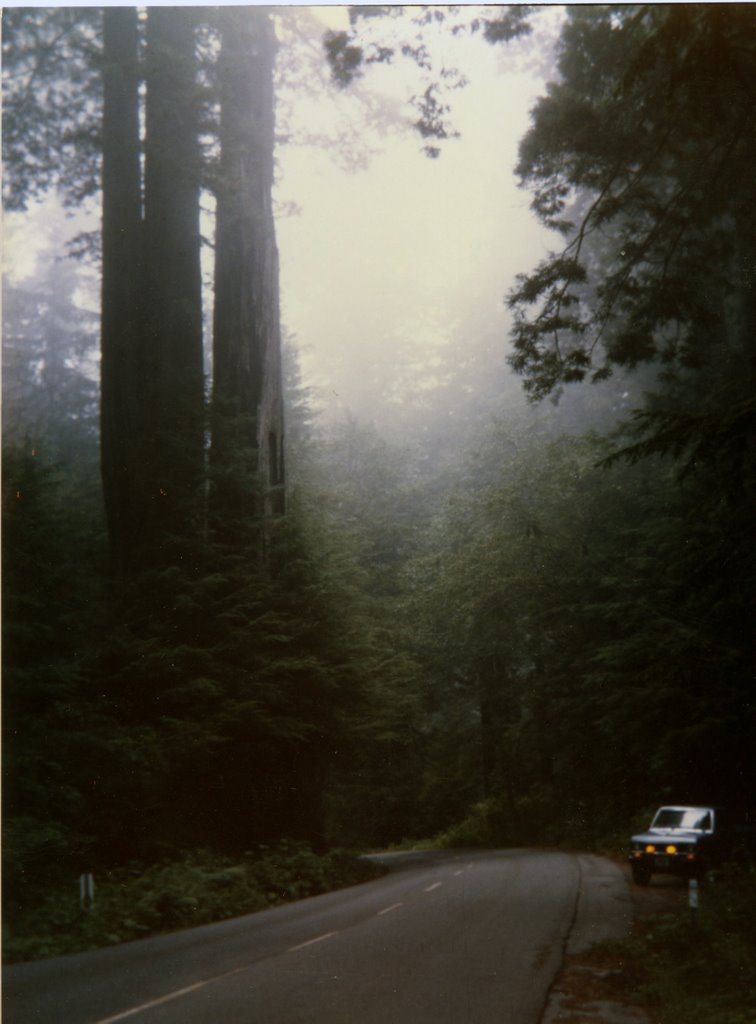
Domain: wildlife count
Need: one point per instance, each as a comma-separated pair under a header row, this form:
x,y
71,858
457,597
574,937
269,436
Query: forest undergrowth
x,y
139,901
680,967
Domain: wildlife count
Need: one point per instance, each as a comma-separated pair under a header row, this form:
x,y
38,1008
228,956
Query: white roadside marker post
x,y
693,899
86,891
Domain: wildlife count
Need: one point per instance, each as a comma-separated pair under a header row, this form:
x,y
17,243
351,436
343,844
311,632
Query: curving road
x,y
444,938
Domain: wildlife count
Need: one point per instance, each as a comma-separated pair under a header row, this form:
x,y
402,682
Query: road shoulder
x,y
595,984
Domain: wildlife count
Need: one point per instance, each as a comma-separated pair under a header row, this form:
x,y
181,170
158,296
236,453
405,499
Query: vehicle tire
x,y
641,874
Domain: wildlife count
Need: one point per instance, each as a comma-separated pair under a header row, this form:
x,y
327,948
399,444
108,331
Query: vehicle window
x,y
668,818
695,818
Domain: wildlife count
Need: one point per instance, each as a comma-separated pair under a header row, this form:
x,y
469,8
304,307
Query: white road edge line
x,y
163,999
458,872
310,942
394,906
432,887
125,1014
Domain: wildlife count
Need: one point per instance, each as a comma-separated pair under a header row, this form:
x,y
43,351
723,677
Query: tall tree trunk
x,y
121,368
174,383
247,410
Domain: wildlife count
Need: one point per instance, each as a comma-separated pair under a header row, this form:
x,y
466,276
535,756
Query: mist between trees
x,y
499,619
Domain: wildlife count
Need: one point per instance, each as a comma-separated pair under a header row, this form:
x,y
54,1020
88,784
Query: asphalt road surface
x,y
444,938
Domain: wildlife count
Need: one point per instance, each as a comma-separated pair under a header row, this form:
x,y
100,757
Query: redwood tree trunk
x,y
121,327
174,383
247,408
152,360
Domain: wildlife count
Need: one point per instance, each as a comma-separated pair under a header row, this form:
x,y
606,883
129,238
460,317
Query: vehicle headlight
x,y
650,849
671,848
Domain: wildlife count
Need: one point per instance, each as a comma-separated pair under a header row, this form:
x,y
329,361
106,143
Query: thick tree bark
x,y
152,372
247,409
152,360
174,383
121,369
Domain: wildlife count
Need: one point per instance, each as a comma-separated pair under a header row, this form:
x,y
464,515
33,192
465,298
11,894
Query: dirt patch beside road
x,y
598,986
663,895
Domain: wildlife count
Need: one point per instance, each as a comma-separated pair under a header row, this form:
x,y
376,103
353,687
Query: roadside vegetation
x,y
135,902
700,968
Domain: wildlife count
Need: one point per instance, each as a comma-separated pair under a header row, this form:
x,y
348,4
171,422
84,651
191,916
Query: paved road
x,y
444,938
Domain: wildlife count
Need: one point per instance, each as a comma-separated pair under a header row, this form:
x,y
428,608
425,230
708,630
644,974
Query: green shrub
x,y
138,901
703,969
474,831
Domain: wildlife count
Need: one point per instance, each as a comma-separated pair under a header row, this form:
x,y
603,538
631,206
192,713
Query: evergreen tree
x,y
153,429
122,419
172,373
247,411
52,103
637,155
152,358
649,127
50,393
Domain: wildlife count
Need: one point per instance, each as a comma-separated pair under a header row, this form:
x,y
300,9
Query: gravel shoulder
x,y
596,986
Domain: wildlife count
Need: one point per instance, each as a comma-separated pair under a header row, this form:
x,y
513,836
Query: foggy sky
x,y
382,267
401,250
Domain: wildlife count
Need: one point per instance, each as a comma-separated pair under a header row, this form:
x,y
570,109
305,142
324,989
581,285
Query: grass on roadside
x,y
137,901
701,969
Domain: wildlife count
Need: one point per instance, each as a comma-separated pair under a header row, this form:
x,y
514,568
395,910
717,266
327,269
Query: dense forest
x,y
522,615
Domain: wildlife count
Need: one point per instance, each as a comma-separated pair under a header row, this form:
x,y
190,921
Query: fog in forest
x,y
384,266
386,255
377,435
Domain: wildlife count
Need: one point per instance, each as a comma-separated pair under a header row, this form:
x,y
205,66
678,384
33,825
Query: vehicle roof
x,y
687,807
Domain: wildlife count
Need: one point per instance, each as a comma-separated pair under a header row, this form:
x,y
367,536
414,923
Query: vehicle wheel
x,y
641,874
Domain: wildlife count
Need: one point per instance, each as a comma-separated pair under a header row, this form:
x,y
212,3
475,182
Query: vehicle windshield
x,y
694,818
